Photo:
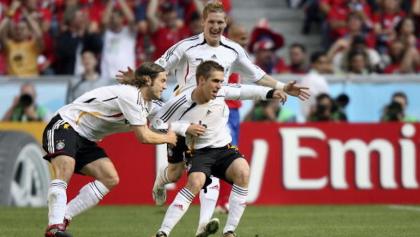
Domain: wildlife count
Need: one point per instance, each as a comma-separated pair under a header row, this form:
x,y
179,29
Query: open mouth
x,y
215,33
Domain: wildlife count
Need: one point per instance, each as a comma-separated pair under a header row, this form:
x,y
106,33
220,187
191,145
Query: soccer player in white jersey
x,y
70,140
211,153
182,59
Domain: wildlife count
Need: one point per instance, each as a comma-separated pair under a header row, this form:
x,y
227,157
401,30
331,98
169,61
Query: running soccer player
x,y
210,151
183,59
70,140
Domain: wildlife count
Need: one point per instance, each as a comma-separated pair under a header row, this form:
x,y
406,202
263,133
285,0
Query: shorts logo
x,y
60,145
66,126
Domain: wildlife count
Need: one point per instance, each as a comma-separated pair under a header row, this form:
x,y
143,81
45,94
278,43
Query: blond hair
x,y
213,6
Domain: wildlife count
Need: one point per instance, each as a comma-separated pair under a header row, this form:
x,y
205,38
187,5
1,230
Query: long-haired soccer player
x,y
70,140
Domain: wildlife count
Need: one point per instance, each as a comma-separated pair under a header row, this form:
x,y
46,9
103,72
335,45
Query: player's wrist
x,y
280,85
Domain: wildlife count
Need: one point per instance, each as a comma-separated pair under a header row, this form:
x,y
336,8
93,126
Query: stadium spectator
x,y
263,44
406,32
315,80
89,80
401,98
25,108
166,29
355,26
298,58
402,58
393,112
326,110
336,12
119,39
385,20
270,111
74,39
357,62
340,51
22,42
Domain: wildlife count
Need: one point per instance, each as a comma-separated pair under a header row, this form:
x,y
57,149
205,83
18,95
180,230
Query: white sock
x,y
57,199
88,197
176,210
162,177
237,204
208,203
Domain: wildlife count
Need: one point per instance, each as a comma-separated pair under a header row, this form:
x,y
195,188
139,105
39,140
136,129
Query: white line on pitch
x,y
403,207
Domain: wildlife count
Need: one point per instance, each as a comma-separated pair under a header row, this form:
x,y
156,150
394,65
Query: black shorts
x,y
214,161
59,138
179,152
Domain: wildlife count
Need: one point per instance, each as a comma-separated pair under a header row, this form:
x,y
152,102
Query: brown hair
x,y
147,69
214,6
206,68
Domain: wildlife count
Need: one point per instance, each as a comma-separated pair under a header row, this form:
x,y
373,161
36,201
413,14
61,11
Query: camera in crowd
x,y
329,109
25,100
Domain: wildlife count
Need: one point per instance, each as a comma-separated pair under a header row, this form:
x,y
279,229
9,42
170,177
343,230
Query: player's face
x,y
159,84
214,26
212,85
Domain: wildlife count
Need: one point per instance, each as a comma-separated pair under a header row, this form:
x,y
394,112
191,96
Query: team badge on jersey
x,y
60,145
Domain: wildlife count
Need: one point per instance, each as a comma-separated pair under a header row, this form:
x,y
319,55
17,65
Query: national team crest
x,y
60,145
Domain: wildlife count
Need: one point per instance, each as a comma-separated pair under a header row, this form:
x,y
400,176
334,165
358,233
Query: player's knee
x,y
242,177
111,181
196,182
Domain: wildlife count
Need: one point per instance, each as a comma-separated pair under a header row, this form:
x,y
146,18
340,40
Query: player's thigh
x,y
175,170
103,170
238,172
63,167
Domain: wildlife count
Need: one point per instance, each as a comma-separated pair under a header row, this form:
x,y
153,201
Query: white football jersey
x,y
107,110
181,111
183,58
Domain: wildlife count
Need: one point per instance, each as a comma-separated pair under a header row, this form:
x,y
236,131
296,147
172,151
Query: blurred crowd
x,y
91,40
367,36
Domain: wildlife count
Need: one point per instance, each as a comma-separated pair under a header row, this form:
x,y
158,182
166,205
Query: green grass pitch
x,y
261,221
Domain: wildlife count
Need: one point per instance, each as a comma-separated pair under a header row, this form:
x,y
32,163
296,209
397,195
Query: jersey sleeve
x,y
133,111
246,68
245,92
170,59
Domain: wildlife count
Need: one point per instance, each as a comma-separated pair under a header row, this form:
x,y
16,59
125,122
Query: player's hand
x,y
295,90
280,95
125,75
171,138
196,130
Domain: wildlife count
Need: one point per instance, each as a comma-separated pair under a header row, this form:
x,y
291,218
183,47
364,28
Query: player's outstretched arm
x,y
290,88
145,135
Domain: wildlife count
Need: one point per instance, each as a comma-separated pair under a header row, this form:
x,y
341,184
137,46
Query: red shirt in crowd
x,y
234,104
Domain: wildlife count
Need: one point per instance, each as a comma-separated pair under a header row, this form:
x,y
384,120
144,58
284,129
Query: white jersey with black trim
x,y
184,57
106,110
181,111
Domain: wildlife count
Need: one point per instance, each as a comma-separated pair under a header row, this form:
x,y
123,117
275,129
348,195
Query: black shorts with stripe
x,y
214,161
178,153
59,138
